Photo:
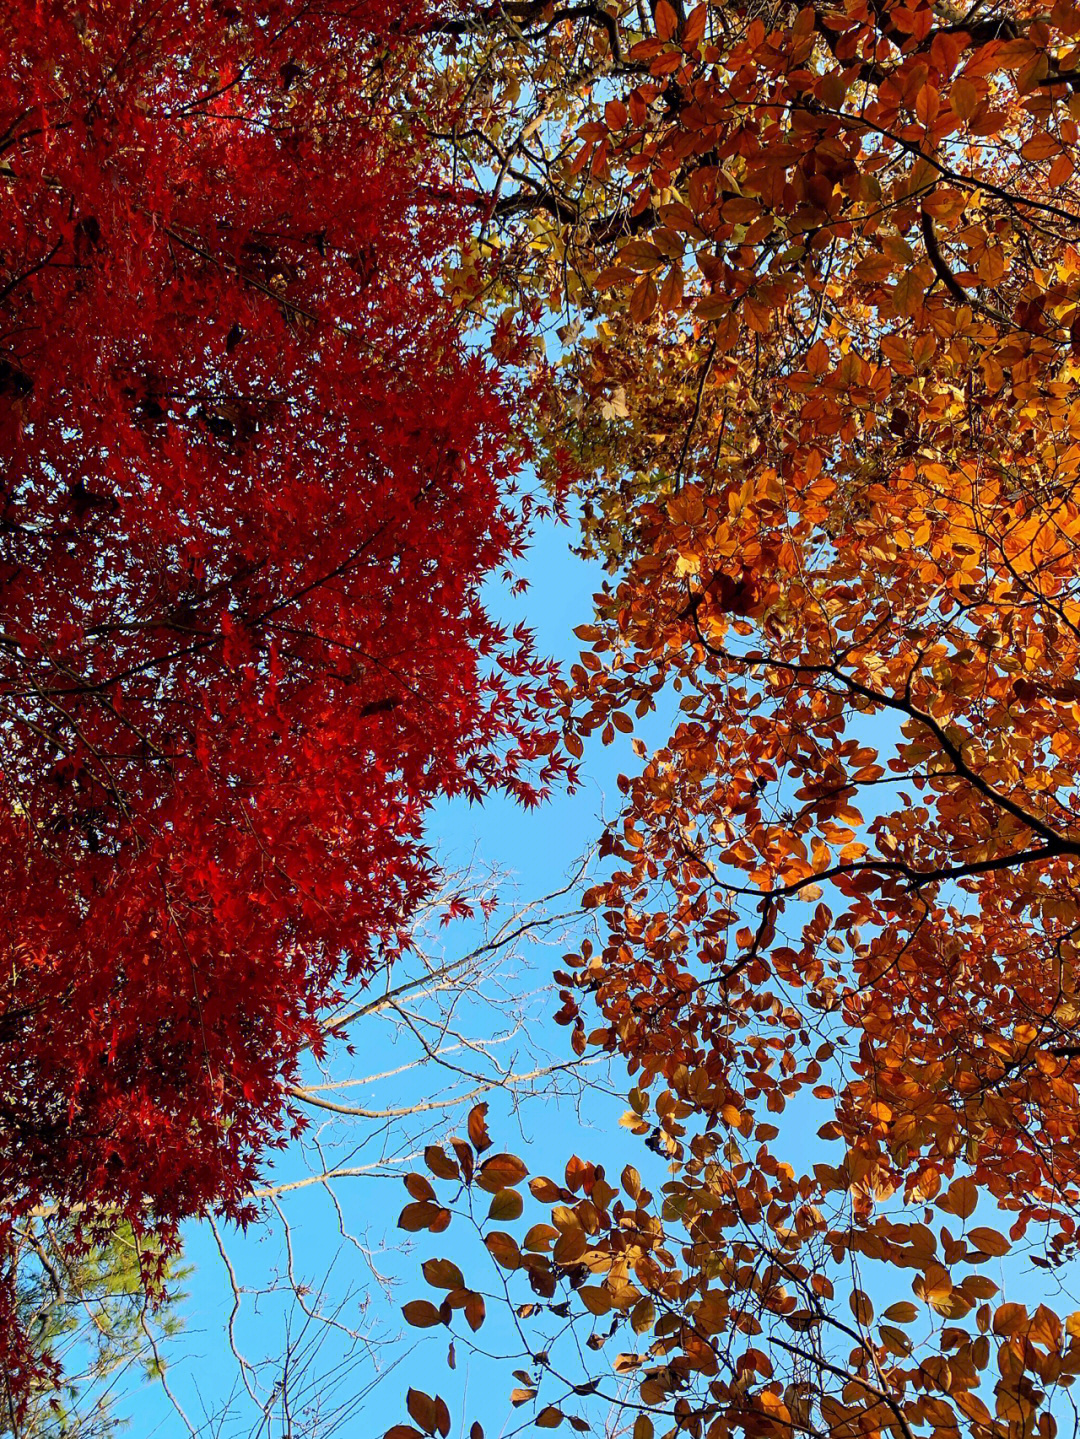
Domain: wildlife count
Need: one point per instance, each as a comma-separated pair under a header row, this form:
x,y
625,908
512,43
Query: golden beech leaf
x,y
972,1407
960,1198
1041,146
596,1299
671,291
694,29
1045,1329
979,1286
963,97
539,1238
1009,1319
988,1241
934,1286
612,277
549,1418
615,114
641,255
895,1340
570,1245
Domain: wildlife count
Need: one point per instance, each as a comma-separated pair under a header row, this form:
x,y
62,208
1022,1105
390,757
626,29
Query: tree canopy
x,y
782,302
253,481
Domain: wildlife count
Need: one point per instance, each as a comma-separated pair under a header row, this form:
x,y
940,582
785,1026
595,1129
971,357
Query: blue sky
x,y
537,851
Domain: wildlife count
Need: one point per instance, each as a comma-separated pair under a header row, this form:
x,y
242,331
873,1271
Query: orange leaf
x,y
644,300
667,21
477,1128
500,1171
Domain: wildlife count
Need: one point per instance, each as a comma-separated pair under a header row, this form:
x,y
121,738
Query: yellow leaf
x,y
595,1298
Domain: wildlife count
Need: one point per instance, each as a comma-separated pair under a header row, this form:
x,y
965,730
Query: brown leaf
x,y
596,1299
477,1128
442,1274
645,298
440,1163
422,1409
500,1171
419,1187
503,1249
694,29
475,1310
421,1313
423,1215
505,1205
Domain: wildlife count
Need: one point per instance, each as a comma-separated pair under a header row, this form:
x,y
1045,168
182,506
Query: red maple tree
x,y
251,483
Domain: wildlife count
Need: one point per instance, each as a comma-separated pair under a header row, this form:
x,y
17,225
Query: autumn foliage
x,y
819,283
814,276
252,483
